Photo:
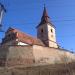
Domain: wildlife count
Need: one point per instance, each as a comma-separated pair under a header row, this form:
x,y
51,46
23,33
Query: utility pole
x,y
2,11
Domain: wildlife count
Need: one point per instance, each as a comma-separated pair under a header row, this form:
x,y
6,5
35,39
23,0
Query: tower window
x,y
41,30
51,30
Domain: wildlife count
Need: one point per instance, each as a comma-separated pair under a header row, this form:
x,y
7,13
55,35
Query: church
x,y
46,35
23,54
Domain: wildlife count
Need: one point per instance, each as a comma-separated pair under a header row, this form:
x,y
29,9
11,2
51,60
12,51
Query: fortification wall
x,y
28,55
36,60
16,55
52,55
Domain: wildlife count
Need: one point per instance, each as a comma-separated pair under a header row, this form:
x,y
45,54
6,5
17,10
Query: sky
x,y
25,15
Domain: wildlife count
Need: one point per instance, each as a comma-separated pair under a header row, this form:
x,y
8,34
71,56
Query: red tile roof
x,y
25,38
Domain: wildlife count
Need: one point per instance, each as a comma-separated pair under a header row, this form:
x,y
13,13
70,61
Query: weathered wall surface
x,y
52,55
35,60
28,55
3,55
16,55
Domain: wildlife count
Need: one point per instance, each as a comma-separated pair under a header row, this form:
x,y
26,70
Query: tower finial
x,y
44,4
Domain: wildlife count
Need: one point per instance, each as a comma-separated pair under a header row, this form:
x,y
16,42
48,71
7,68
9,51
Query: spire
x,y
45,17
45,13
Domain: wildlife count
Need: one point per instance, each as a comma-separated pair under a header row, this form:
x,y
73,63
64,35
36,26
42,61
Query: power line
x,y
65,20
66,36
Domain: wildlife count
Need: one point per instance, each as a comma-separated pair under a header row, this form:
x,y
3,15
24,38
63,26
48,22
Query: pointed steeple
x,y
45,18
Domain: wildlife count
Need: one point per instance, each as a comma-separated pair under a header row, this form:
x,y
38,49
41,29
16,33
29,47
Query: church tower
x,y
46,31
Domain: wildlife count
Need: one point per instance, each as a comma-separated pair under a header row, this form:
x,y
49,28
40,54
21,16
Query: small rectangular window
x,y
42,30
51,30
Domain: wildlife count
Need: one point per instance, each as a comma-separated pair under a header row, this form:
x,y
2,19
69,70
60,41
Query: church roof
x,y
25,38
45,18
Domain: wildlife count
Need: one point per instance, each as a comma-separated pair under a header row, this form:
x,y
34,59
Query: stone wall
x,y
22,55
52,55
28,55
16,55
36,60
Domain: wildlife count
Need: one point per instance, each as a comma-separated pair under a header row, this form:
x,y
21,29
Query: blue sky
x,y
26,15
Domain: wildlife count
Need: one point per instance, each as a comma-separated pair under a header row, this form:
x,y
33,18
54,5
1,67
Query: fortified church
x,y
26,55
46,35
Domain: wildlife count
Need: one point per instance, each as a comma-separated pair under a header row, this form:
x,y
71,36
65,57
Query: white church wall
x,y
53,44
21,43
14,42
51,35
